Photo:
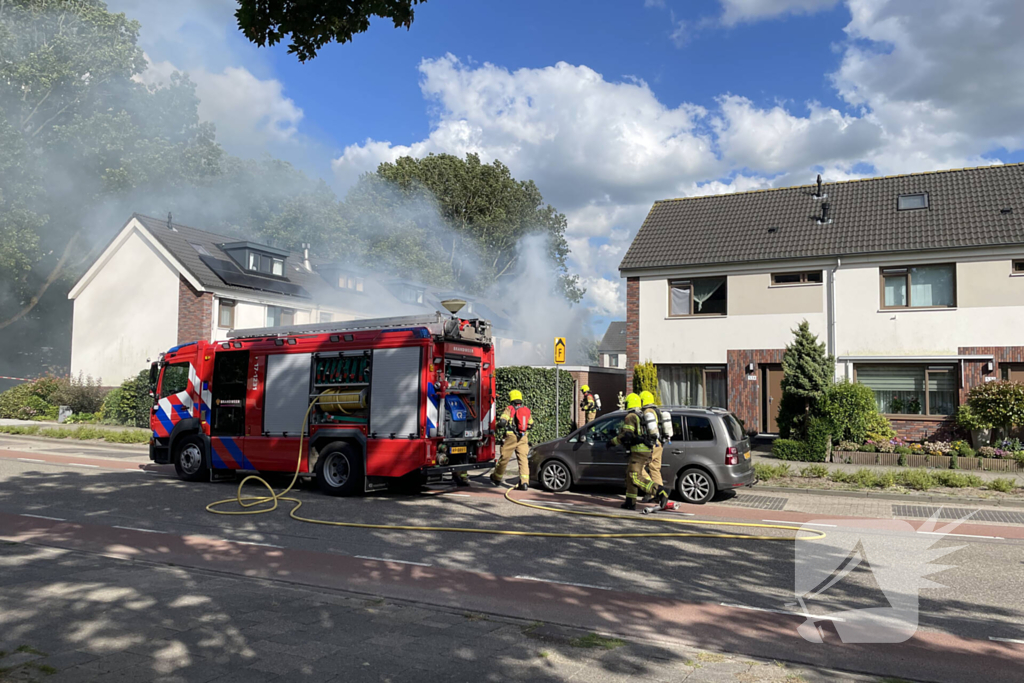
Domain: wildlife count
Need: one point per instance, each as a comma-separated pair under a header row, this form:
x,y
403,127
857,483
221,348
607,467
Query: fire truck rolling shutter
x,y
395,393
286,393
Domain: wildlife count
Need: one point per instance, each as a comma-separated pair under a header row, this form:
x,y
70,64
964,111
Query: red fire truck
x,y
407,399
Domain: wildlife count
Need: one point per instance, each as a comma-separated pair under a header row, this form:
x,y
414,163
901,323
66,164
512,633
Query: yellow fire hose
x,y
273,499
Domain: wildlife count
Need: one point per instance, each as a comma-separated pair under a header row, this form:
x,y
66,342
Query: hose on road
x,y
246,503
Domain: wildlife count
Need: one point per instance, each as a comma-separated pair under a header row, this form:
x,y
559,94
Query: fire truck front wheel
x,y
339,471
188,459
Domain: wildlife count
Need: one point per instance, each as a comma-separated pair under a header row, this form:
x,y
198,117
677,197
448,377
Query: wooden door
x,y
1014,373
772,397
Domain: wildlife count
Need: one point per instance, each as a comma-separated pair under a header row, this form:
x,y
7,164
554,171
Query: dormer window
x,y
412,296
351,282
263,263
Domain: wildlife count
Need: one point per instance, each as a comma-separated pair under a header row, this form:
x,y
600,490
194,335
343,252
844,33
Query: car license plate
x,y
746,456
462,449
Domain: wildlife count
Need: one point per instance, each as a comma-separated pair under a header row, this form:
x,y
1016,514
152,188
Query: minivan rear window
x,y
732,426
699,429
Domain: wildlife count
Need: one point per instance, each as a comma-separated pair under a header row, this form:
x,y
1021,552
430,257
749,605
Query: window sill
x,y
922,418
916,309
795,284
702,316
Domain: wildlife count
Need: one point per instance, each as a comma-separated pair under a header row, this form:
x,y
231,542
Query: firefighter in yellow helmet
x,y
588,405
514,423
651,414
631,436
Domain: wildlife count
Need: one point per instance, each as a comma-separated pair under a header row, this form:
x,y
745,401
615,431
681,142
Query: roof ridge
x,y
229,238
838,182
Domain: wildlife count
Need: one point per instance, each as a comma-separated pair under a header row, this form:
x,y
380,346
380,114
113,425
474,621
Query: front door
x,y
772,397
227,418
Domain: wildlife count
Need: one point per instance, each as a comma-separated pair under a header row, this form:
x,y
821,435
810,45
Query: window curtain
x,y
715,389
931,286
942,392
899,389
680,304
895,290
703,289
680,385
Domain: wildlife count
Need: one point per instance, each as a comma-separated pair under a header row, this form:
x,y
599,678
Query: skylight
x,y
908,202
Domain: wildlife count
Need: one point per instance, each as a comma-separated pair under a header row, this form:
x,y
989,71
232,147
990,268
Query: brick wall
x,y
939,429
744,394
974,371
195,313
632,328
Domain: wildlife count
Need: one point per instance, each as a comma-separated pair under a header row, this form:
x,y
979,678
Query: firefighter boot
x,y
630,503
523,486
662,498
495,481
461,479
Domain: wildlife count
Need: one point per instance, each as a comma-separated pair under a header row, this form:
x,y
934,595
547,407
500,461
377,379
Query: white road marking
x,y
549,502
780,611
1006,640
939,533
784,521
563,583
385,559
459,495
132,528
30,460
56,519
79,464
266,545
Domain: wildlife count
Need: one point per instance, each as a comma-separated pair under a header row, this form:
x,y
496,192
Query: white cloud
x,y
250,114
737,11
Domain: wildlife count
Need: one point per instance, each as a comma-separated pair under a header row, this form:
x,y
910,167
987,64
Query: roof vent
x,y
1008,209
772,230
170,225
824,220
817,193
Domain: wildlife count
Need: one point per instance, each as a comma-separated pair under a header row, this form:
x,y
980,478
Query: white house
x,y
612,349
914,282
159,284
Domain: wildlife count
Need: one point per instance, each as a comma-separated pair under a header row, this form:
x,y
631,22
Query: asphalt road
x,y
981,594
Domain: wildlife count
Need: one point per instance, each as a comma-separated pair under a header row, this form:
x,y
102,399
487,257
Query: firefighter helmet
x,y
515,395
585,388
632,401
646,398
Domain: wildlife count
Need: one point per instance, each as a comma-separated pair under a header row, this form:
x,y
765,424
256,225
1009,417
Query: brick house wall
x,y
745,394
632,328
195,313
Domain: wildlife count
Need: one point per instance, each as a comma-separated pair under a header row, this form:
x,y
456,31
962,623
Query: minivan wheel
x,y
695,486
555,476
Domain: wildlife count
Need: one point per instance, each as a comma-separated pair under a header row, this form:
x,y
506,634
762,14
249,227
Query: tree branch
x,y
46,285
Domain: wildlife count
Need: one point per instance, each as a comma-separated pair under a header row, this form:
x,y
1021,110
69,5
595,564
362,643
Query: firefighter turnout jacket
x,y
631,434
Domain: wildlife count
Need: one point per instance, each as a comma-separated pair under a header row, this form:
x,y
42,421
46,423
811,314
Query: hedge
x,y
789,449
538,387
130,403
645,378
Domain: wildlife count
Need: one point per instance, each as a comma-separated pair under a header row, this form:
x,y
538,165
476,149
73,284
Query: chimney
x,y
305,257
818,193
824,212
170,225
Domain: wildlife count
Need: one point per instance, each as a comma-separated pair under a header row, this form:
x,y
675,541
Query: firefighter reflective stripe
x,y
432,403
227,455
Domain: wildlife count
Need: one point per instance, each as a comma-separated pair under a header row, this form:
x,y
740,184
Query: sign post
x,y
559,360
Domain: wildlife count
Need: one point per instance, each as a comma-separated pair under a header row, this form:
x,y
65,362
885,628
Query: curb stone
x,y
882,495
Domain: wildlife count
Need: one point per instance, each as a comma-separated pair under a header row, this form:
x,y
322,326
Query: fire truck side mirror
x,y
154,373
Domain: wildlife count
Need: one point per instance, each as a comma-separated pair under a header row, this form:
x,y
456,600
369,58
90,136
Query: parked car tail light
x,y
732,456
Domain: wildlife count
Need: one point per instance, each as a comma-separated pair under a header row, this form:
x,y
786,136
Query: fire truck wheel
x,y
339,471
188,459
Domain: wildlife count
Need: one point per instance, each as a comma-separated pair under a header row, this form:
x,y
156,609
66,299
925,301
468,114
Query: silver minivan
x,y
709,453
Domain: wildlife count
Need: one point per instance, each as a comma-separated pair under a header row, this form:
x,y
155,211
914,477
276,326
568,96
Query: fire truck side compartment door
x,y
286,393
395,392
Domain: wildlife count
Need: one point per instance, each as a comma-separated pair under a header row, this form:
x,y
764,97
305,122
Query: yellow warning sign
x,y
559,350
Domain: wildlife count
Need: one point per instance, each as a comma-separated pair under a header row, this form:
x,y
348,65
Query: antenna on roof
x,y
818,193
169,225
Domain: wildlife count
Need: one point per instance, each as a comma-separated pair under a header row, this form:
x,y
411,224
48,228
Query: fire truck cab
x,y
406,399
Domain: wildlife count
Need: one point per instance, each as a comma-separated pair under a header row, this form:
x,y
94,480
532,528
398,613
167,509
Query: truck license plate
x,y
458,449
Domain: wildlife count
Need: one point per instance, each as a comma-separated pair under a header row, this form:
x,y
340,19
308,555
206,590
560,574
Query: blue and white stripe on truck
x,y
432,404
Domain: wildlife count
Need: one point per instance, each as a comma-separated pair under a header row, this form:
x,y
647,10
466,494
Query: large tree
x,y
314,23
487,212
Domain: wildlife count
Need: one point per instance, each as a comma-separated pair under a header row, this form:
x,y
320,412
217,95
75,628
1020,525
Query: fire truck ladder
x,y
434,323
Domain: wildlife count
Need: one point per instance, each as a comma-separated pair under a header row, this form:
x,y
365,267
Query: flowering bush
x,y
916,448
938,447
884,446
848,446
988,452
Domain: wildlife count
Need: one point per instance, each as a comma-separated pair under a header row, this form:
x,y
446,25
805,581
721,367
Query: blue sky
x,y
610,105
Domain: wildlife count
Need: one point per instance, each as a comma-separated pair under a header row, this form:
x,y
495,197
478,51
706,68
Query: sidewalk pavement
x,y
73,617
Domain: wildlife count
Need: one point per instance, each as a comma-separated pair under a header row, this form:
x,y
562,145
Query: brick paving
x,y
70,617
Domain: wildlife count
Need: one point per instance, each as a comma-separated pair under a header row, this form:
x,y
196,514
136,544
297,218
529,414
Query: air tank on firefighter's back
x,y
342,401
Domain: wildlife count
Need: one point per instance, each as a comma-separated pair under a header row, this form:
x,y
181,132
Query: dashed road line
x,y
940,533
82,464
781,611
385,559
265,545
55,519
133,528
789,521
30,460
562,583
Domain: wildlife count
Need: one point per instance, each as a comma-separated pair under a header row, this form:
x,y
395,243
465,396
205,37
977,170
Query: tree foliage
x,y
130,403
998,403
645,378
807,373
850,410
314,23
